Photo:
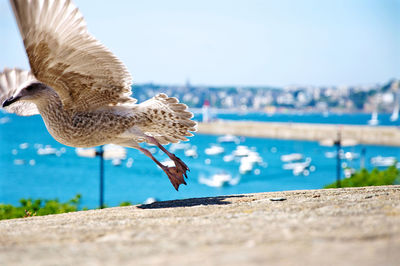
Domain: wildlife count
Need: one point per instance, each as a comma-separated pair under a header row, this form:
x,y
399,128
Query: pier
x,y
382,135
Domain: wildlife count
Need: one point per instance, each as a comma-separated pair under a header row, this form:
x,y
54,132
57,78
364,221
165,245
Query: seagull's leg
x,y
174,175
180,165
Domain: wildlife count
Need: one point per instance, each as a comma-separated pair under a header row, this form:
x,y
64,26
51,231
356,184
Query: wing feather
x,y
63,55
11,82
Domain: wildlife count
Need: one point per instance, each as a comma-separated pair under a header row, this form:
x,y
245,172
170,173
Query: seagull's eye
x,y
29,88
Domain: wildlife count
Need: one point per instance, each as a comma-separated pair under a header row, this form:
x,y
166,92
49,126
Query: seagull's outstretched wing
x,y
64,56
11,82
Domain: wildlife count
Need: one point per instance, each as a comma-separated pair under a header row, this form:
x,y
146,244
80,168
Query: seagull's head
x,y
32,93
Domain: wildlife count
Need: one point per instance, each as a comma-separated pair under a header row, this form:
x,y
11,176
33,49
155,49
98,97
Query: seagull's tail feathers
x,y
171,120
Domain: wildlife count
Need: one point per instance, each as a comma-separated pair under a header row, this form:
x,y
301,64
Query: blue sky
x,y
278,43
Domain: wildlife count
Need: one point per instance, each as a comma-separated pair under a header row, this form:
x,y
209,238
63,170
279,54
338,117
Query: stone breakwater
x,y
383,135
352,226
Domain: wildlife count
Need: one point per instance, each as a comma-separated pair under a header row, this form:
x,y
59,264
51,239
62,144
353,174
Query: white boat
x,y
112,151
254,157
24,145
298,168
192,152
349,155
214,150
241,151
245,167
168,163
374,119
228,139
48,150
343,155
19,161
116,161
228,158
291,166
383,161
247,163
86,152
330,154
219,180
292,157
178,146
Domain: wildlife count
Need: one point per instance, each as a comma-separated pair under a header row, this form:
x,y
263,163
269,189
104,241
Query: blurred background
x,y
325,62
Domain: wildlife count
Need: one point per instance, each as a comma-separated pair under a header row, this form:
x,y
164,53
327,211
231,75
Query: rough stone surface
x,y
355,226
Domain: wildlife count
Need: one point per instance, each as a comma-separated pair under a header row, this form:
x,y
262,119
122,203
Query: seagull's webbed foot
x,y
175,174
180,165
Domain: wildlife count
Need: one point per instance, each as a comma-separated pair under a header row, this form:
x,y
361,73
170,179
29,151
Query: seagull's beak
x,y
11,101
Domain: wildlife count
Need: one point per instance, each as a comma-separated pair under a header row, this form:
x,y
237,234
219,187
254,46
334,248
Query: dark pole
x,y
100,153
338,161
362,161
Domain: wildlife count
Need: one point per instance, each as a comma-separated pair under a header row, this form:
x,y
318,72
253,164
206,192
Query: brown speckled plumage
x,y
83,91
114,124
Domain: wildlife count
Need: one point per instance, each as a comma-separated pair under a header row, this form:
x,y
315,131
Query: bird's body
x,y
114,124
82,91
84,129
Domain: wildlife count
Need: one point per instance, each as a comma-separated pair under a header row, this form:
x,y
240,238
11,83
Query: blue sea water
x,y
65,176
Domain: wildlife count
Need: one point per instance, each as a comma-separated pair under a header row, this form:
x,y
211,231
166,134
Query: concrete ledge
x,y
354,226
383,135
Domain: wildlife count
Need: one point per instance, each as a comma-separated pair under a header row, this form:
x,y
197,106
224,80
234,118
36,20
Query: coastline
x,y
355,134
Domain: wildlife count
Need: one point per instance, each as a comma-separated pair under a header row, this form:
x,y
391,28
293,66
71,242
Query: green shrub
x,y
375,177
125,203
38,207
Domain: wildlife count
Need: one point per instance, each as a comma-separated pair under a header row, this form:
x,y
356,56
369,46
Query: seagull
x,y
83,91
